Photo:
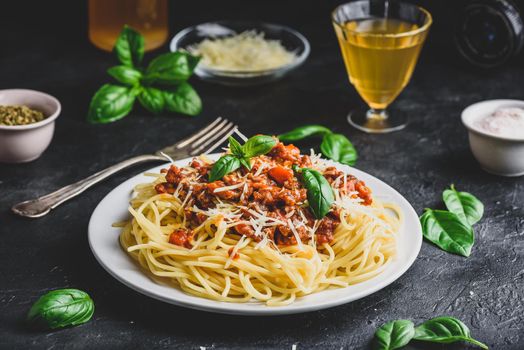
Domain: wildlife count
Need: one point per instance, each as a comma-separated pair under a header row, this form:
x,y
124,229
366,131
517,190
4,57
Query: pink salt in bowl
x,y
496,140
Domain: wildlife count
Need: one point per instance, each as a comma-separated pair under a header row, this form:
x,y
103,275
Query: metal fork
x,y
202,142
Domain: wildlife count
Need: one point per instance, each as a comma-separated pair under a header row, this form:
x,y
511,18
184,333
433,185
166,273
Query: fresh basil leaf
x,y
171,68
245,163
338,148
235,147
223,166
447,231
467,207
319,192
302,132
125,75
152,99
110,103
183,99
445,330
394,335
129,47
258,145
61,308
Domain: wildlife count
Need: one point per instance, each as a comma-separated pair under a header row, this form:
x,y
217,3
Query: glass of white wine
x,y
380,43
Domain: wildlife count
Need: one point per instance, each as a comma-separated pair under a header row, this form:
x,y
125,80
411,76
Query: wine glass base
x,y
361,121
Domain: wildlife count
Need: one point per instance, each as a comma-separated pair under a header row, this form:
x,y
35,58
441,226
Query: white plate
x,y
103,240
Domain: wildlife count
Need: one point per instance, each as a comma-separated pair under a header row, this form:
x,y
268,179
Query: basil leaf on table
x,y
338,148
61,308
258,145
171,68
110,103
235,147
129,47
302,132
152,99
223,166
184,99
465,205
320,195
125,75
445,330
394,335
447,231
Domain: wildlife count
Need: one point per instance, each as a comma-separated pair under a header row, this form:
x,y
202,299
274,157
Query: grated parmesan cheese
x,y
227,188
247,51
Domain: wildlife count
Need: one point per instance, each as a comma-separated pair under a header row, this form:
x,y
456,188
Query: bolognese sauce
x,y
270,188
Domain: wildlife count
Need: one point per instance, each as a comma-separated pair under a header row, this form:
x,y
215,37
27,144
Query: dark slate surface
x,y
486,290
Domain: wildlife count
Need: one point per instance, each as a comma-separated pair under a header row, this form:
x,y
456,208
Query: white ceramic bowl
x,y
24,143
497,154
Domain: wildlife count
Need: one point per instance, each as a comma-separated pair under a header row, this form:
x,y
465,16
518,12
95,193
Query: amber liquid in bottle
x,y
107,17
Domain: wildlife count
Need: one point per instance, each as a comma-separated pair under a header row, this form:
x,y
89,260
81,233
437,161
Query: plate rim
x,y
258,309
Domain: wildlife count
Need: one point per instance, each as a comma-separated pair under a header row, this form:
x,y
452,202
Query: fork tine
x,y
188,140
219,142
211,133
228,129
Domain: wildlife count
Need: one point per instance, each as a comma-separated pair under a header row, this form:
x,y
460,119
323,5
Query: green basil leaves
x,y
110,103
466,206
446,230
302,132
452,230
334,146
61,308
320,194
125,75
162,86
129,47
338,148
444,329
183,99
224,166
394,335
257,145
240,155
171,68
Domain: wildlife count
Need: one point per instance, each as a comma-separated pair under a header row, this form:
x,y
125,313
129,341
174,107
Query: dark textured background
x,y
44,47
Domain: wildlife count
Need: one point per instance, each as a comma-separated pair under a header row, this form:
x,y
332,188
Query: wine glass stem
x,y
377,114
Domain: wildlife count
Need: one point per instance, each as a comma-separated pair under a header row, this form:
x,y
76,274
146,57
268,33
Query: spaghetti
x,y
234,241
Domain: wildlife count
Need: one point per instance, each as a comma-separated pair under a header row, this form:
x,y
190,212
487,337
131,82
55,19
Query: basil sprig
x,y
445,329
394,335
452,230
162,86
320,194
334,146
61,308
240,155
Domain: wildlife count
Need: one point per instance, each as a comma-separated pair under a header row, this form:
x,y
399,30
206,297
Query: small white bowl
x,y
499,155
24,143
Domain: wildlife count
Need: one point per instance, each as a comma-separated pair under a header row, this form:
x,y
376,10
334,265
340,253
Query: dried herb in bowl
x,y
19,115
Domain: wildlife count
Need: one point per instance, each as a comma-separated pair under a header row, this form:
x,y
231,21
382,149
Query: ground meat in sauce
x,y
181,237
270,187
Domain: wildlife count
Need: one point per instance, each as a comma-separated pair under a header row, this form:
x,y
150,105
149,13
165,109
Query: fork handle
x,y
40,206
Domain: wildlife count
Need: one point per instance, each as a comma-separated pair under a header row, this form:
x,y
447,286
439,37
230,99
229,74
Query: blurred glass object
x,y
107,17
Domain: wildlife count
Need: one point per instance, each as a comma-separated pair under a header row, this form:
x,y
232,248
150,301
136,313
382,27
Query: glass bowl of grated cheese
x,y
243,53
